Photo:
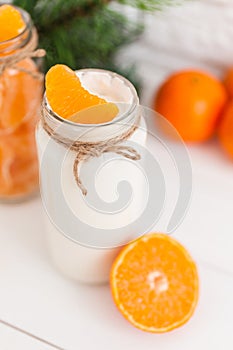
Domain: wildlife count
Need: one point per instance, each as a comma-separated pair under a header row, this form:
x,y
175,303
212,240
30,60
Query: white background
x,y
36,298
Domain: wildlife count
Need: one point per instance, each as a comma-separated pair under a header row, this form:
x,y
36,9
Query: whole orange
x,y
225,131
192,101
228,81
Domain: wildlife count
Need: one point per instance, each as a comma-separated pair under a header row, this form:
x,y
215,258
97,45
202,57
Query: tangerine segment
x,y
11,22
18,162
67,97
154,283
20,94
92,115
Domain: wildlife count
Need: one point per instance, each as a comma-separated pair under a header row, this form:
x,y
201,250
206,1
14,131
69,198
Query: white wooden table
x,y
35,298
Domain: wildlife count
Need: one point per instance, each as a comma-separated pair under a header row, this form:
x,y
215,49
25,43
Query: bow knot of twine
x,y
86,150
27,51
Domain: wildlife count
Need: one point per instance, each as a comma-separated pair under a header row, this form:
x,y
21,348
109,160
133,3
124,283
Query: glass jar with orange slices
x,y
21,86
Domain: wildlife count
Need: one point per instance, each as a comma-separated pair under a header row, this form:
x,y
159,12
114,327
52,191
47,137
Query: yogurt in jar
x,y
85,233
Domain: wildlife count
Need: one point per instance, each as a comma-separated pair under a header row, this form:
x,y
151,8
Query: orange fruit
x,y
154,283
228,82
225,131
11,22
192,101
67,97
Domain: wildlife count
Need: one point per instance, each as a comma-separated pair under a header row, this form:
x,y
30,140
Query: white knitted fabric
x,y
195,34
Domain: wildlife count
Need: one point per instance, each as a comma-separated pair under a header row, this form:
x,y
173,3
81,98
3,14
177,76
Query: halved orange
x,y
70,100
154,283
11,22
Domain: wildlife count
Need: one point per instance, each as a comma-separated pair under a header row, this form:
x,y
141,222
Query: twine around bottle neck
x,y
27,51
86,150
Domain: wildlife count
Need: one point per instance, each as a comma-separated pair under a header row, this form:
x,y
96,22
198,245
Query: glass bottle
x,y
21,87
86,232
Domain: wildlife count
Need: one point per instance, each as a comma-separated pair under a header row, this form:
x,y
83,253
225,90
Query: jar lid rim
x,y
134,104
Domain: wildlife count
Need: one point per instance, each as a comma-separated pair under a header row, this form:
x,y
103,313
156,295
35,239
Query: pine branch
x,y
95,39
86,33
62,11
65,19
28,5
